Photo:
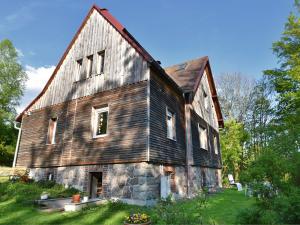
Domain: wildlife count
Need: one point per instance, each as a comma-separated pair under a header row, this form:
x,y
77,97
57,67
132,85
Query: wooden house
x,y
112,122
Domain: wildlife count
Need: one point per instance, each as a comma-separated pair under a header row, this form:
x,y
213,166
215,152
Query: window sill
x,y
100,136
82,80
172,139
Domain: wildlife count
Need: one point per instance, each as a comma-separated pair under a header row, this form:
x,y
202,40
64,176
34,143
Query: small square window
x,y
51,131
100,121
171,130
100,63
89,66
202,137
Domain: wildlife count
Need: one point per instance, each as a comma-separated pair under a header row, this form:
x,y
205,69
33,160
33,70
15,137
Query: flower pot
x,y
76,198
147,223
44,196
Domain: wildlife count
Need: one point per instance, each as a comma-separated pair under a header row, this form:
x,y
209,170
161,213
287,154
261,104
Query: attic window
x,y
89,68
79,69
181,66
205,97
100,63
51,130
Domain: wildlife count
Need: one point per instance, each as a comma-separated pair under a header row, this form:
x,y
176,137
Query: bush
x,y
6,154
283,209
46,183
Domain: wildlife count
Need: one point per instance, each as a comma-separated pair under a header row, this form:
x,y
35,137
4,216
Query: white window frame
x,y
216,147
89,66
203,137
52,142
172,135
78,69
100,62
94,120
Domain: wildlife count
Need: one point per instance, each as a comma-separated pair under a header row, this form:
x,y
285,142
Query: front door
x,y
95,184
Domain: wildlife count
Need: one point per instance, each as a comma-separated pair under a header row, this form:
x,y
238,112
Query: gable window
x,y
100,121
89,66
171,125
51,131
202,137
79,70
100,63
205,100
216,145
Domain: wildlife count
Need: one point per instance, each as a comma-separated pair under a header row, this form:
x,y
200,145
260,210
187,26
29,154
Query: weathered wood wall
x,y
123,65
203,157
198,104
163,149
127,131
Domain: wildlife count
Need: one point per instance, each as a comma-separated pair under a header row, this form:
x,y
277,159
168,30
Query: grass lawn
x,y
16,207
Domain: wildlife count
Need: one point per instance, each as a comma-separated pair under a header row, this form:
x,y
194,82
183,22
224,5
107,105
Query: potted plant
x,y
44,195
76,198
137,218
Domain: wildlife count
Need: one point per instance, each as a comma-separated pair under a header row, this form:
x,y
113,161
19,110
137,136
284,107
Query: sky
x,y
236,35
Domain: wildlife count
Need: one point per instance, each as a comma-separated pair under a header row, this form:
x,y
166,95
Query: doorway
x,y
95,184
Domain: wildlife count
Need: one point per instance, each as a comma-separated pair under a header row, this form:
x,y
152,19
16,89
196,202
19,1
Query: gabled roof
x,y
125,34
181,81
188,76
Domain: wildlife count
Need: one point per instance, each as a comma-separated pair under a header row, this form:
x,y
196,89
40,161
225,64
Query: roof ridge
x,y
187,61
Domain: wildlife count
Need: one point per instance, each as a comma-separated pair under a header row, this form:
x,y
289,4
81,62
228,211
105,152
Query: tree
x,y
12,84
259,116
235,92
279,161
286,82
232,139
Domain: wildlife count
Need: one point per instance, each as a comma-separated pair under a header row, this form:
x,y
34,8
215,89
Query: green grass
x,y
16,207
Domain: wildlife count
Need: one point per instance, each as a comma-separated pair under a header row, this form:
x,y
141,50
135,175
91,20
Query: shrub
x,y
46,183
137,218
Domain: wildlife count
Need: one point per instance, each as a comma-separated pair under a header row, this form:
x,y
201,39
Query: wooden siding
x,y
209,115
202,157
162,149
127,131
123,64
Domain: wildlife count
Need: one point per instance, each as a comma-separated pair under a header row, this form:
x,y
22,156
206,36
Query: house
x,y
112,122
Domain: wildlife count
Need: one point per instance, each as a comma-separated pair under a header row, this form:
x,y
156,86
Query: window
x,y
205,100
202,137
216,145
100,64
171,125
89,66
79,70
100,121
51,131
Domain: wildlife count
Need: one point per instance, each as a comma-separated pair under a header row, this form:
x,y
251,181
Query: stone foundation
x,y
136,183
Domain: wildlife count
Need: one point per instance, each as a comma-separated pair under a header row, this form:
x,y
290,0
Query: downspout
x,y
18,143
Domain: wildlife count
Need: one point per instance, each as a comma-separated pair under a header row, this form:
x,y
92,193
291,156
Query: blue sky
x,y
237,35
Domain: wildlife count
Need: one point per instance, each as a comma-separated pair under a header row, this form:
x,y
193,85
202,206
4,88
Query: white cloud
x,y
37,79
